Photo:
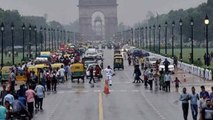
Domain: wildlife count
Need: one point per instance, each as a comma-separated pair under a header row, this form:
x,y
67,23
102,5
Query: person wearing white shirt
x,y
109,74
61,73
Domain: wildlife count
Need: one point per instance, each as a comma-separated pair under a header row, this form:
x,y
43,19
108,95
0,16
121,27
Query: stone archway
x,y
108,23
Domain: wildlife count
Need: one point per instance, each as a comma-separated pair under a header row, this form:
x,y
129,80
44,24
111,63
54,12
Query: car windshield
x,y
152,59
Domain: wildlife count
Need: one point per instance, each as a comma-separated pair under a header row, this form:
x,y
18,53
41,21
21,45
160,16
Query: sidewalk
x,y
191,80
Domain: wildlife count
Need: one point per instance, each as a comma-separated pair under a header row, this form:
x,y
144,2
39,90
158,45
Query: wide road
x,y
126,101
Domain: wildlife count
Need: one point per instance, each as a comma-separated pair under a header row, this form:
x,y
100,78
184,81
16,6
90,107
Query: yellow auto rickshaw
x,y
37,67
118,55
78,71
118,63
5,72
56,65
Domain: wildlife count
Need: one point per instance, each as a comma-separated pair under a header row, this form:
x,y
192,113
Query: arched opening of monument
x,y
98,25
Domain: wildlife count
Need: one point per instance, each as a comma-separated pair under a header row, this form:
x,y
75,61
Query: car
x,y
87,63
151,61
88,68
171,67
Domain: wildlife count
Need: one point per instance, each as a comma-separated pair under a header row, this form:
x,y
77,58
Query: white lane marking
x,y
97,91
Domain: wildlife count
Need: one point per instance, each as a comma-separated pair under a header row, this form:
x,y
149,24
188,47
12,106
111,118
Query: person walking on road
x,y
203,92
207,112
137,74
129,60
194,97
145,74
167,79
91,70
30,95
151,78
162,83
3,112
109,74
177,82
54,81
13,80
142,63
211,95
184,98
61,73
40,93
166,64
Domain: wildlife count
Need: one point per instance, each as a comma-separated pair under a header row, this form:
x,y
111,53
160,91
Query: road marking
x,y
100,106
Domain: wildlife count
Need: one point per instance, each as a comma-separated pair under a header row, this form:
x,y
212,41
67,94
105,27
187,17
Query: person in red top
x,y
98,71
30,95
177,81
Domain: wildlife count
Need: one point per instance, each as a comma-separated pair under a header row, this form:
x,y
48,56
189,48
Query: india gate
x,y
98,19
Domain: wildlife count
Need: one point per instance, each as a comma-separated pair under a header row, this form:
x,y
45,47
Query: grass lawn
x,y
198,53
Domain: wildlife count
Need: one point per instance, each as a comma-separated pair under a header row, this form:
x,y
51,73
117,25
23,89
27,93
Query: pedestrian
x,y
211,95
184,98
54,81
145,74
194,97
98,72
109,74
203,92
40,93
91,70
48,80
142,63
207,112
129,60
9,97
167,79
177,82
33,79
43,78
151,78
156,79
30,95
13,80
3,94
202,104
166,64
161,79
3,112
61,73
137,74
21,94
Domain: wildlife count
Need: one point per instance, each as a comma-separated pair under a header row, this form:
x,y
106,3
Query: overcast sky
x,y
66,11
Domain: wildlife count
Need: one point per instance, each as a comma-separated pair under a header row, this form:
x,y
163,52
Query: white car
x,y
151,61
171,67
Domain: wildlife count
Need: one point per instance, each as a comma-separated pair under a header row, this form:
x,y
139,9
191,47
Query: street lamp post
x,y
150,39
173,26
23,42
52,38
154,37
181,39
29,42
36,48
2,44
166,24
206,21
146,38
45,39
192,40
58,38
12,30
159,36
49,38
41,38
132,35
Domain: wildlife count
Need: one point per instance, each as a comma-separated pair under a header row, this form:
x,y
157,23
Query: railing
x,y
195,70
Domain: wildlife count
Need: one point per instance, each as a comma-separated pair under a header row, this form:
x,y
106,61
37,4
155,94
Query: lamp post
x,y
146,37
159,36
12,30
23,42
36,48
132,35
173,26
141,38
65,37
154,37
181,39
150,39
41,38
61,36
45,38
166,25
52,38
206,21
2,44
192,37
58,38
49,38
29,42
